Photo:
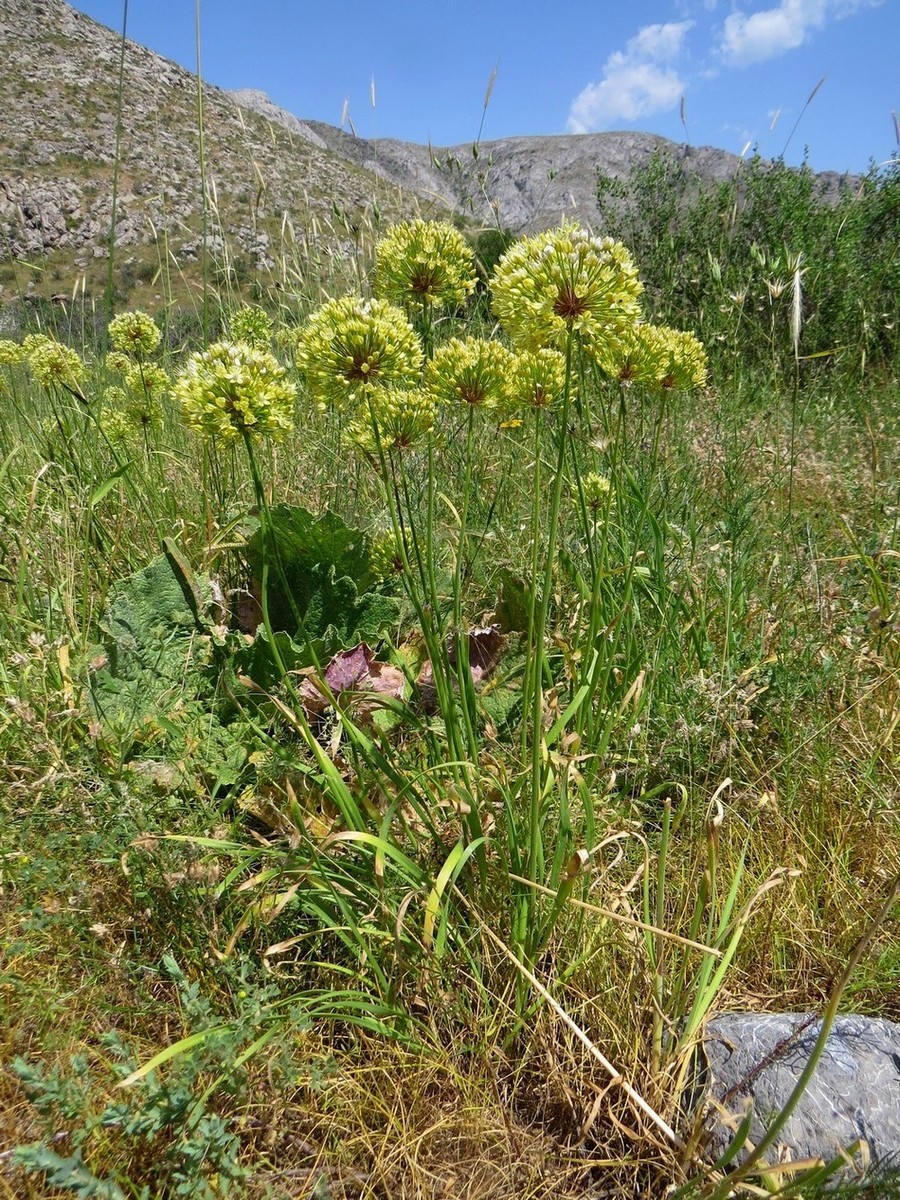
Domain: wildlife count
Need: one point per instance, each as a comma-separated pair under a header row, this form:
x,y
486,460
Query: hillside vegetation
x,y
432,691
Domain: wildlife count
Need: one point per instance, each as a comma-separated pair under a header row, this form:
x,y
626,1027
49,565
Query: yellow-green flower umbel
x,y
53,363
685,361
351,346
538,378
233,390
470,372
420,263
656,356
250,324
10,352
595,489
397,419
134,333
566,281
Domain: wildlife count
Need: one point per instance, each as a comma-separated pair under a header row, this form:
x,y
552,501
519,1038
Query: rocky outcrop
x,y
59,94
266,171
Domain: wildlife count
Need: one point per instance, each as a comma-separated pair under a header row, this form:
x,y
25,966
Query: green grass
x,y
369,938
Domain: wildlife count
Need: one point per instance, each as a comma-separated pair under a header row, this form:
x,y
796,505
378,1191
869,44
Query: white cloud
x,y
635,82
773,31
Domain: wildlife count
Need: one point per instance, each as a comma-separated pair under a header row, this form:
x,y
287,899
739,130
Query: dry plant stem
x,y
632,922
615,1075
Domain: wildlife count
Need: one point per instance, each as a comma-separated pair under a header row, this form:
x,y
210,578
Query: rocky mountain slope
x,y
267,184
280,191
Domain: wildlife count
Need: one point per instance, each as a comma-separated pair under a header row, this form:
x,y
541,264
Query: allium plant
x,y
10,353
562,282
233,391
424,263
251,324
656,356
135,334
392,419
351,346
538,379
470,372
54,365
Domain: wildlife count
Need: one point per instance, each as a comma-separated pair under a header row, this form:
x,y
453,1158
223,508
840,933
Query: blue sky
x,y
745,68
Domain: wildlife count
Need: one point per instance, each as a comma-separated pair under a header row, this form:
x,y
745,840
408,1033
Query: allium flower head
x,y
117,361
397,419
538,378
562,281
351,346
233,389
470,371
595,489
686,361
424,262
53,363
147,379
134,333
116,425
10,352
385,556
251,324
126,414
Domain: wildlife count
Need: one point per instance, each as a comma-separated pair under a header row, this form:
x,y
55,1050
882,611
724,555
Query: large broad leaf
x,y
162,604
320,580
157,683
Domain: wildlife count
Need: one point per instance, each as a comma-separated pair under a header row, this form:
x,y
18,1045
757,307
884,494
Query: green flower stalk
x,y
252,325
234,391
135,334
470,372
398,420
350,347
538,378
566,281
422,264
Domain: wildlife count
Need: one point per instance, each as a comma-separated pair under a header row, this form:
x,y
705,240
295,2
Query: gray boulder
x,y
854,1094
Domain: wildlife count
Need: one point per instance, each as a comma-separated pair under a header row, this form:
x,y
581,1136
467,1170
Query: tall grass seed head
x,y
231,390
470,372
566,281
351,346
251,324
53,363
397,419
424,262
134,333
538,378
